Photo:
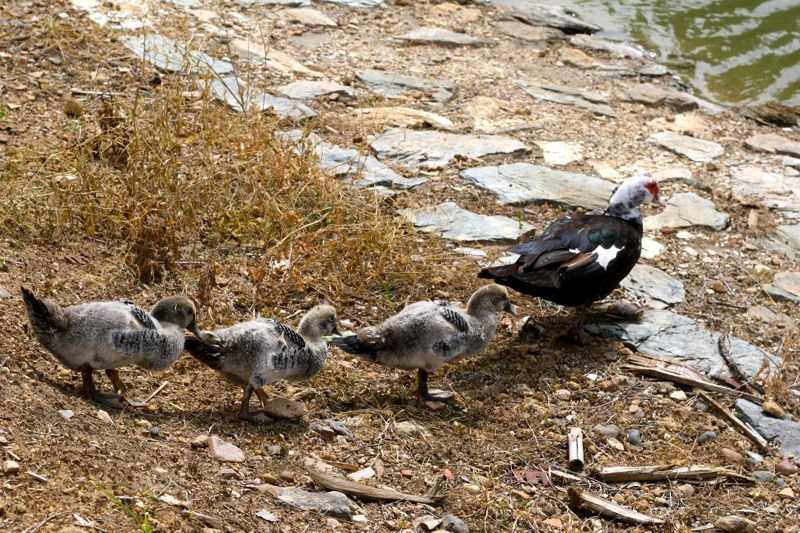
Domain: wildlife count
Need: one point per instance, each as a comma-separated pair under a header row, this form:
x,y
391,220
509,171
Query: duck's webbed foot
x,y
107,399
245,413
575,334
430,395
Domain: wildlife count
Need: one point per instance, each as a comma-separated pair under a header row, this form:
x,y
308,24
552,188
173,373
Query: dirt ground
x,y
506,420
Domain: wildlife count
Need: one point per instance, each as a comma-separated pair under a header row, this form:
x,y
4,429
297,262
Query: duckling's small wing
x,y
289,335
139,341
454,317
141,316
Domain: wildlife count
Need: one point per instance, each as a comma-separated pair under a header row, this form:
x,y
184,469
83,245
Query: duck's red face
x,y
653,189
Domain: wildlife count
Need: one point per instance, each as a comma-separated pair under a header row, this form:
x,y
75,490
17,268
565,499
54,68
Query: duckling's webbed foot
x,y
107,399
434,395
257,417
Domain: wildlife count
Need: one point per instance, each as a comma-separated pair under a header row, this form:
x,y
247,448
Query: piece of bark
x,y
364,491
580,500
742,427
667,473
575,439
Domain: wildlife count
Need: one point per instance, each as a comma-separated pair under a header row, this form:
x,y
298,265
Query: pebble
x,y
10,467
102,415
407,473
201,441
786,468
269,478
454,524
763,475
754,458
616,444
607,430
730,456
773,409
287,475
562,394
787,493
735,524
225,452
66,414
471,488
678,395
706,436
684,490
780,482
635,437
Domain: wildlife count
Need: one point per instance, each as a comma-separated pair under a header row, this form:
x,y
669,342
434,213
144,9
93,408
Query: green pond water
x,y
729,51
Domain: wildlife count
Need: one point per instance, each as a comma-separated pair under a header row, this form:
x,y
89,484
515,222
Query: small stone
x,y
786,468
616,444
730,456
773,409
200,441
562,394
454,524
607,430
222,451
678,395
735,524
10,467
228,473
66,414
269,478
780,482
408,427
407,473
283,408
684,490
287,475
787,493
471,488
635,437
331,503
719,287
764,475
706,436
332,523
754,458
322,429
266,515
155,431
104,416
361,475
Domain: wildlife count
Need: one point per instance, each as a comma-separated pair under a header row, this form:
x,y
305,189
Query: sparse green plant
x,y
142,522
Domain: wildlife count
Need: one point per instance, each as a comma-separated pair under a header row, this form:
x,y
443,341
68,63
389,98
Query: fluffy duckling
x,y
426,335
109,335
262,351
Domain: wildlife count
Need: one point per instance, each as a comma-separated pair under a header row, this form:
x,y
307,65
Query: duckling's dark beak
x,y
511,309
193,328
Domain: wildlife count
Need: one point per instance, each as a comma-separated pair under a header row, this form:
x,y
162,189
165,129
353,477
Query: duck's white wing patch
x,y
606,255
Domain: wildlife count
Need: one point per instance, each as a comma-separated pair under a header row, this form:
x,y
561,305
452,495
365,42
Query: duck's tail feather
x,y
46,317
203,352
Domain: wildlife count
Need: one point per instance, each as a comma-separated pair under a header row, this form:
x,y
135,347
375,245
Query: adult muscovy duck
x,y
581,260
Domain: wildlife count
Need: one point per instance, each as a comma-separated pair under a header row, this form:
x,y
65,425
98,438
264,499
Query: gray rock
x,y
763,475
754,186
735,524
66,414
458,224
695,149
774,144
537,14
309,17
785,286
166,54
454,524
224,452
754,458
602,45
768,316
685,210
671,335
308,90
706,436
653,95
356,3
785,433
786,239
435,149
607,430
391,84
635,437
793,162
4,294
290,3
426,35
339,428
590,100
526,32
780,482
520,183
654,285
239,97
329,503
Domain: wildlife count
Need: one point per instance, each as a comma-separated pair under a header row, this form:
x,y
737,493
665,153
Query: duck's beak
x,y
193,328
658,203
511,309
336,329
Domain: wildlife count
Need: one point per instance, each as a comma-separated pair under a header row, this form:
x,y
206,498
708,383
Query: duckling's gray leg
x,y
244,411
119,386
428,395
103,398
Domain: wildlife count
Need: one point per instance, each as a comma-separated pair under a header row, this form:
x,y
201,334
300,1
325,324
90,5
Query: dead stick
x,y
724,347
684,380
590,502
745,429
363,491
84,92
575,449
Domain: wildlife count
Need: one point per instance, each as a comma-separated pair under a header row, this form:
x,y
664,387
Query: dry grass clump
x,y
172,177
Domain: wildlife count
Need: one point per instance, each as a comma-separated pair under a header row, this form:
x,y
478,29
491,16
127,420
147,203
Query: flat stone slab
x,y
558,153
392,84
785,286
667,334
308,90
435,149
224,452
240,97
309,17
685,210
168,55
528,33
247,4
602,45
537,14
362,170
785,433
331,503
590,100
653,95
774,144
427,35
789,235
272,58
695,149
405,117
520,183
356,3
455,223
754,186
655,286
